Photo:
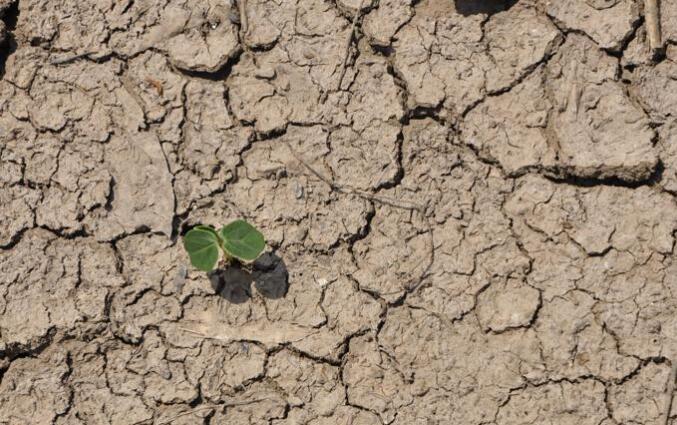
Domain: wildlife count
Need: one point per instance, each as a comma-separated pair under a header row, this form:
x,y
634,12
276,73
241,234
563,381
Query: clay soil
x,y
469,206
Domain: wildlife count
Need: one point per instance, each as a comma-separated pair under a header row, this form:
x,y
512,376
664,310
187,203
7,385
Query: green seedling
x,y
238,240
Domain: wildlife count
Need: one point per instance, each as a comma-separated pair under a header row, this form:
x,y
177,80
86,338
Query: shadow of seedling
x,y
474,7
268,273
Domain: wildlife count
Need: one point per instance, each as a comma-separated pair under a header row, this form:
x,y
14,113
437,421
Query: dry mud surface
x,y
469,206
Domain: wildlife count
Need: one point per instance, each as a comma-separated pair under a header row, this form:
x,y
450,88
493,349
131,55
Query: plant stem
x,y
653,25
227,259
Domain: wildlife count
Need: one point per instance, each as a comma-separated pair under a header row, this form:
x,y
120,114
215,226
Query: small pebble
x,y
298,190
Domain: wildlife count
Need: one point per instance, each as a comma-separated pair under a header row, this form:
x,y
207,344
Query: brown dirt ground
x,y
470,209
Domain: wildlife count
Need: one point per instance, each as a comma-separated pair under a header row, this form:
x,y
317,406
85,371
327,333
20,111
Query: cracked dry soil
x,y
469,206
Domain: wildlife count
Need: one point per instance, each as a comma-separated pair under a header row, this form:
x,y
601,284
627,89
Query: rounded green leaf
x,y
202,244
242,241
207,228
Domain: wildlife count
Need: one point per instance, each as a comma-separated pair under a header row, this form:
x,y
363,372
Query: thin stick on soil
x,y
653,25
244,24
68,59
669,392
347,190
190,412
346,53
200,334
231,339
230,404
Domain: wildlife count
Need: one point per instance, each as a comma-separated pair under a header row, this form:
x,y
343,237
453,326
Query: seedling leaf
x,y
207,228
202,244
242,241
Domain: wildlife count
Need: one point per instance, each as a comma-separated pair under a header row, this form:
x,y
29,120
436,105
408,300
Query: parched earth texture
x,y
470,210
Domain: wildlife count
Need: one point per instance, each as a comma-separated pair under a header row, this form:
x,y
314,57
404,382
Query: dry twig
x,y
669,393
351,191
346,52
653,24
244,22
190,412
